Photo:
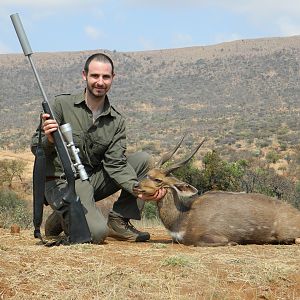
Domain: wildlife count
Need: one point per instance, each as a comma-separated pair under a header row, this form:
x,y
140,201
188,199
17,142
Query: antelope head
x,y
158,177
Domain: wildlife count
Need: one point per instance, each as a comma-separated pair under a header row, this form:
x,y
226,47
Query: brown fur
x,y
221,218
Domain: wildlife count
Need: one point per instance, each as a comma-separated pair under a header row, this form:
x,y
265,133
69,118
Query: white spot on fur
x,y
177,236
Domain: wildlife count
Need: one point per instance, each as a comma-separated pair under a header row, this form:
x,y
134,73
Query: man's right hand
x,y
49,126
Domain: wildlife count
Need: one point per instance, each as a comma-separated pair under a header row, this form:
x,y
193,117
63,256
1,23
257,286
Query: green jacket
x,y
101,144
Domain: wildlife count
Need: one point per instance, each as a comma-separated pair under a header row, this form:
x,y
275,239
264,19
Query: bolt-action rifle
x,y
78,227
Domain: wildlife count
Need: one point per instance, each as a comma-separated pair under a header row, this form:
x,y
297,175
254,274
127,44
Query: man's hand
x,y
158,195
49,126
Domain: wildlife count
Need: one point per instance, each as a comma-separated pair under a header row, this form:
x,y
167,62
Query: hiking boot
x,y
122,229
53,226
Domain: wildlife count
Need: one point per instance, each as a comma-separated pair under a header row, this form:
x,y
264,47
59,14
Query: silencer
x,y
21,34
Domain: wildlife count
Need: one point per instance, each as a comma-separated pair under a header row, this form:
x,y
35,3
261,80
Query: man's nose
x,y
100,80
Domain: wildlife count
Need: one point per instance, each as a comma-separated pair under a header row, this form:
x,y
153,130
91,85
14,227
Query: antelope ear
x,y
185,190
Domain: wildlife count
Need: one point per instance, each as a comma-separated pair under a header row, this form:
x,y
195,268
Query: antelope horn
x,y
181,163
166,156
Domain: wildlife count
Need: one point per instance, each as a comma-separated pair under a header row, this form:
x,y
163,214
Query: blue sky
x,y
133,25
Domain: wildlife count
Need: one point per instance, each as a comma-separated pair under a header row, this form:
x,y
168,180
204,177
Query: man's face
x,y
99,78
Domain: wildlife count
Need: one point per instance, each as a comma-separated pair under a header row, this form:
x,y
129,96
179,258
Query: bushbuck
x,y
218,218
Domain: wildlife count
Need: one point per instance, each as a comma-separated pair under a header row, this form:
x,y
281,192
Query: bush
x,y
11,169
150,211
272,157
14,210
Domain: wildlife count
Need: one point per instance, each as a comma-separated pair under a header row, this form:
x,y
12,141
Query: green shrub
x,y
150,211
13,210
272,157
176,261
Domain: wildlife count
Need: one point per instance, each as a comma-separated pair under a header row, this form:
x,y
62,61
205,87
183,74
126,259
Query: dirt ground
x,y
157,269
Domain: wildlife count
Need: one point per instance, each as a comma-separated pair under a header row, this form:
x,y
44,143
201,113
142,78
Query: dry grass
x,y
158,269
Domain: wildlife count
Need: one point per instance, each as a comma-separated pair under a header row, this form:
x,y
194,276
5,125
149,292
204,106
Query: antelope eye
x,y
157,180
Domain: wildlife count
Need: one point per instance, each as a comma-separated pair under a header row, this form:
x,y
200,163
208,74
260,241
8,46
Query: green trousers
x,y
99,186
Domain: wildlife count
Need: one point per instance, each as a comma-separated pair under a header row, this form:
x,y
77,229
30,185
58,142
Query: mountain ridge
x,y
233,92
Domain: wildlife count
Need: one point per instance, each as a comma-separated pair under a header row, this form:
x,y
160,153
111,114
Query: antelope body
x,y
222,218
219,218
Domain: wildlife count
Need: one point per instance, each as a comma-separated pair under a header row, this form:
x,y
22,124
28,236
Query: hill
x,y
243,94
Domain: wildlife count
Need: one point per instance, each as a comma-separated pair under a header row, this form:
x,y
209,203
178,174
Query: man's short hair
x,y
98,57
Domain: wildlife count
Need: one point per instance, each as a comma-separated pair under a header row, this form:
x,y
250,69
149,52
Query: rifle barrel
x,y
21,34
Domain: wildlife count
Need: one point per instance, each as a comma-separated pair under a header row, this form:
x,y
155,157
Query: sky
x,y
137,25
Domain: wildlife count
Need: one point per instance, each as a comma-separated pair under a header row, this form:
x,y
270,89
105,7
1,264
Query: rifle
x,y
78,228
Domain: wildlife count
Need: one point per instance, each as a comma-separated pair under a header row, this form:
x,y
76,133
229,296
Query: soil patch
x,y
158,269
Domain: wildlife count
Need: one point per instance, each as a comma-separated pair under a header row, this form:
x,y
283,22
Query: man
x,y
99,134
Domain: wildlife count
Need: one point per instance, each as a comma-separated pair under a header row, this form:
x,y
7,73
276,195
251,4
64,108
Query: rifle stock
x,y
78,227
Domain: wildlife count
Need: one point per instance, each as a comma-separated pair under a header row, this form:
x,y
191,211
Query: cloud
x,y
146,44
277,15
254,9
287,27
263,7
93,32
49,3
182,40
221,38
242,5
4,48
38,9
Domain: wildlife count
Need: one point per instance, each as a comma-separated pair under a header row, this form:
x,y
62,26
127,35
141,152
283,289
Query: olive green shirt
x,y
101,144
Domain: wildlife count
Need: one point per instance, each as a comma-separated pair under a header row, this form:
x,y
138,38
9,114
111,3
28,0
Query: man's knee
x,y
145,158
142,162
98,233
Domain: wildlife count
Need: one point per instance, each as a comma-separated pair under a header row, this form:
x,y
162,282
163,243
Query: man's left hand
x,y
158,195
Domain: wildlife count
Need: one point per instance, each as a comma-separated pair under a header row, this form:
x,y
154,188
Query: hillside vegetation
x,y
240,92
242,95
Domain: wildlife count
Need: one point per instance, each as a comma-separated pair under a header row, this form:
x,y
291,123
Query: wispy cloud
x,y
291,6
256,10
288,27
4,48
146,44
93,32
221,38
39,9
182,40
262,7
148,24
49,3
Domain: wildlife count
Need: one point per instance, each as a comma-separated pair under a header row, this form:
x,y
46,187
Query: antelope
x,y
218,218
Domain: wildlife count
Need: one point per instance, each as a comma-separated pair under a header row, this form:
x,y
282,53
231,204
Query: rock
x,y
15,229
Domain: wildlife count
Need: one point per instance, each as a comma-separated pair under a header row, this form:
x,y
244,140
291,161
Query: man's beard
x,y
90,89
